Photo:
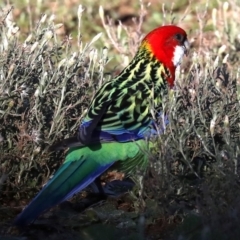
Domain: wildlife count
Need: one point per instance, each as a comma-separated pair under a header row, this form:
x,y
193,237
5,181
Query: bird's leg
x,y
113,189
97,188
93,197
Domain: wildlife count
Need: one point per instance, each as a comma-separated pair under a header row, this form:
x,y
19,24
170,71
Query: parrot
x,y
118,122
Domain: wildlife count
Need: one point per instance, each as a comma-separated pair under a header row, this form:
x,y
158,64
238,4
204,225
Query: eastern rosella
x,y
117,122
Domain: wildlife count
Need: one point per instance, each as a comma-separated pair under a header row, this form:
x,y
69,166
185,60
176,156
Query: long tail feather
x,y
71,178
81,167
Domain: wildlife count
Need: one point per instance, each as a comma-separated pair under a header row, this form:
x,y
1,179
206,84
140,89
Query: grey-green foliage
x,y
45,88
197,168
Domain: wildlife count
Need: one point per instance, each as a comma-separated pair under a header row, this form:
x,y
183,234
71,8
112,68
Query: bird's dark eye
x,y
179,37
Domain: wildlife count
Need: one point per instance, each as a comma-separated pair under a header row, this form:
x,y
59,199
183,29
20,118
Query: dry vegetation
x,y
48,77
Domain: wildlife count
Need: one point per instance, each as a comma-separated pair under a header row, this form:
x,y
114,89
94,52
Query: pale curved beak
x,y
186,46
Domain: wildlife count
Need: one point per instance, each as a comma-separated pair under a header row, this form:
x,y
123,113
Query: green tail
x,y
81,167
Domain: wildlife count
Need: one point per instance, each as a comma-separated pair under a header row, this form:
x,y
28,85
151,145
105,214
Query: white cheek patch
x,y
178,54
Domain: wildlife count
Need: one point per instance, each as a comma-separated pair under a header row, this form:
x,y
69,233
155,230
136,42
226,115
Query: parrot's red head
x,y
168,44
